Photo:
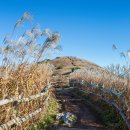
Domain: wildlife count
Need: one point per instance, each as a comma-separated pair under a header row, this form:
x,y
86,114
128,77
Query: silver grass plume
x,y
58,48
26,46
51,42
36,30
47,32
128,53
122,54
114,47
27,16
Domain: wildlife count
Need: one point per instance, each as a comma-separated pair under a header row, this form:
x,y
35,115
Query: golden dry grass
x,y
21,75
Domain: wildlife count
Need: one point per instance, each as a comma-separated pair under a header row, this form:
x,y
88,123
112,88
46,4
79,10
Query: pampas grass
x,y
112,83
20,73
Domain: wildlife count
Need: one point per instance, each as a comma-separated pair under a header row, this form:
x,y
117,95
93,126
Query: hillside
x,y
71,61
66,65
67,68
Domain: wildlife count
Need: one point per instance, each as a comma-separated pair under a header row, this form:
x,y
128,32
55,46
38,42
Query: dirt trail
x,y
87,118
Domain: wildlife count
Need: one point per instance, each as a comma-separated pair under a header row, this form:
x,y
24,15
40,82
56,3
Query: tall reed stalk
x,y
20,73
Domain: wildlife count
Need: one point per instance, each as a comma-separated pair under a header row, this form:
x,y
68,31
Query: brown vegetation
x,y
22,79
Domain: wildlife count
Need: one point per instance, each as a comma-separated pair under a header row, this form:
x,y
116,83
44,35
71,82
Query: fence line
x,y
22,99
111,103
102,88
19,120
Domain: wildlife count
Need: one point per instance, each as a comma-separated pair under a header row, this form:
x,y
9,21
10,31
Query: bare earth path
x,y
87,118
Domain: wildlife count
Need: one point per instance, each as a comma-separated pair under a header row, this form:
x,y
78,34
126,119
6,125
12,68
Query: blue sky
x,y
88,27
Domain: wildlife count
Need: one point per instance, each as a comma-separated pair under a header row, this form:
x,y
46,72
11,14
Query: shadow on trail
x,y
88,119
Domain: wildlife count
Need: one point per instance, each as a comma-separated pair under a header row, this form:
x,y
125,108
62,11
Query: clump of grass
x,y
75,68
48,119
21,74
59,67
109,116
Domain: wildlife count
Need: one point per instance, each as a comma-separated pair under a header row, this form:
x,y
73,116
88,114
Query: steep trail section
x,y
87,118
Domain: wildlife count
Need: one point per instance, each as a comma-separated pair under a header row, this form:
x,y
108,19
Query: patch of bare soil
x,y
87,118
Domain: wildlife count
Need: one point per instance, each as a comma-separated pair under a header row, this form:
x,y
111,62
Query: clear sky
x,y
88,27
